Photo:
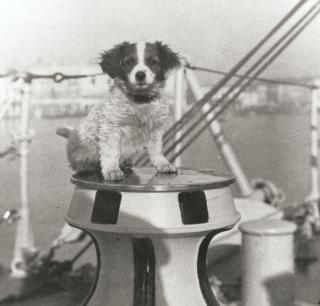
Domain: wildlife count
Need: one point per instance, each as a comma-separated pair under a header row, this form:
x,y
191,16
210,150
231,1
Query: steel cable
x,y
218,112
143,159
233,71
247,73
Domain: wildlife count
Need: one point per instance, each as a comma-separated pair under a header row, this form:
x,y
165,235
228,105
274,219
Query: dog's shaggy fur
x,y
131,117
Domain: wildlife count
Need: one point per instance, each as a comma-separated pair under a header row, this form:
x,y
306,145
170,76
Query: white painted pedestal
x,y
152,232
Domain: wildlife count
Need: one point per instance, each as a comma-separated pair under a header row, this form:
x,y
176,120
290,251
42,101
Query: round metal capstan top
x,y
148,180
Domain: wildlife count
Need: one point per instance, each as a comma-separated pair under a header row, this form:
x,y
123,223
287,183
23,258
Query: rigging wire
x,y
250,70
218,112
142,160
233,71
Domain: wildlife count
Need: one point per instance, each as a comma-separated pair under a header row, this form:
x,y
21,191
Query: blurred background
x,y
214,33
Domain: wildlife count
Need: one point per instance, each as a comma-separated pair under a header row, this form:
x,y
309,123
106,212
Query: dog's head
x,y
141,66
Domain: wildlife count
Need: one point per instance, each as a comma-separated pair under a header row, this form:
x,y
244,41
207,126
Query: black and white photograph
x,y
159,152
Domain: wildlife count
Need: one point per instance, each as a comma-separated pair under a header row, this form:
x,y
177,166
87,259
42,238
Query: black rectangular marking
x,y
193,207
106,207
144,272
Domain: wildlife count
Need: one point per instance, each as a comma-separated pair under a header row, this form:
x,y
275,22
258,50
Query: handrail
x,y
56,76
262,80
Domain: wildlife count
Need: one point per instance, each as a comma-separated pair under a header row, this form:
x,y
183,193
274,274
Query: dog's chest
x,y
136,128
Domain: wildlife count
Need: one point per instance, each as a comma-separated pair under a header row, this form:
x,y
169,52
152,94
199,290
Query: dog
x,y
132,116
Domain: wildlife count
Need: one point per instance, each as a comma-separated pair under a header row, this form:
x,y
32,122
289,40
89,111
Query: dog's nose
x,y
140,76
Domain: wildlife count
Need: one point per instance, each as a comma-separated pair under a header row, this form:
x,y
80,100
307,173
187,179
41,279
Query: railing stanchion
x,y
24,248
224,146
314,197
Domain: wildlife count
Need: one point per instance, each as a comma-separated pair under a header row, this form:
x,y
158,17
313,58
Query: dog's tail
x,y
64,131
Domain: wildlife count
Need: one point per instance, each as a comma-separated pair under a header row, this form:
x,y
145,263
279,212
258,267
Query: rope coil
x,y
272,194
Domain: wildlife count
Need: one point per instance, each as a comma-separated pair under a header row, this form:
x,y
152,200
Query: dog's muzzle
x,y
141,76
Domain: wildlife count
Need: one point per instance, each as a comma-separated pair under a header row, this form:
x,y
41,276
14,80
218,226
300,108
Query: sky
x,y
211,33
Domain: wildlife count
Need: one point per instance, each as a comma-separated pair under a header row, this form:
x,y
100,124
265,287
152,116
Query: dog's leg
x,y
126,165
110,156
155,152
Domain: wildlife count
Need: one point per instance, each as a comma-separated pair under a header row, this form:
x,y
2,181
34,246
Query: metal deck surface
x,y
148,180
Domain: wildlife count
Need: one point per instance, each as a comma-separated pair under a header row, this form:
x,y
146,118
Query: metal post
x,y
267,263
24,244
180,98
314,196
224,146
9,100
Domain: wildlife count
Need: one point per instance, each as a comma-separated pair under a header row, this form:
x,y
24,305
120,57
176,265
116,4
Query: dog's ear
x,y
168,59
110,61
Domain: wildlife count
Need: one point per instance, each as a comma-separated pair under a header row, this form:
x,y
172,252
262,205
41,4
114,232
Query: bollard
x,y
151,233
267,263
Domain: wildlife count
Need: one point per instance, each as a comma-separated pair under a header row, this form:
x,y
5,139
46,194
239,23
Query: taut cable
x,y
233,71
218,112
238,83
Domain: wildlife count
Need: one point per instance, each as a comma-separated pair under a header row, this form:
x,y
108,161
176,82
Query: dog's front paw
x,y
166,168
113,175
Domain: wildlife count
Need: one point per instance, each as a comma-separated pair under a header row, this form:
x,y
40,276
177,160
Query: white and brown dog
x,y
132,116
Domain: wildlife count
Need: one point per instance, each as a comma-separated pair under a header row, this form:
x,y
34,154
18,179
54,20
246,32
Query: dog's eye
x,y
154,62
129,62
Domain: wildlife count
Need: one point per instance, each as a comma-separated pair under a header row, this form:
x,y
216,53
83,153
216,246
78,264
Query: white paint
x,y
267,263
141,46
156,216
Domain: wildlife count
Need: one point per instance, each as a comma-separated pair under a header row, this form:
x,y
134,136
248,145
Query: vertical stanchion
x,y
314,197
267,263
24,248
9,95
224,146
180,98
